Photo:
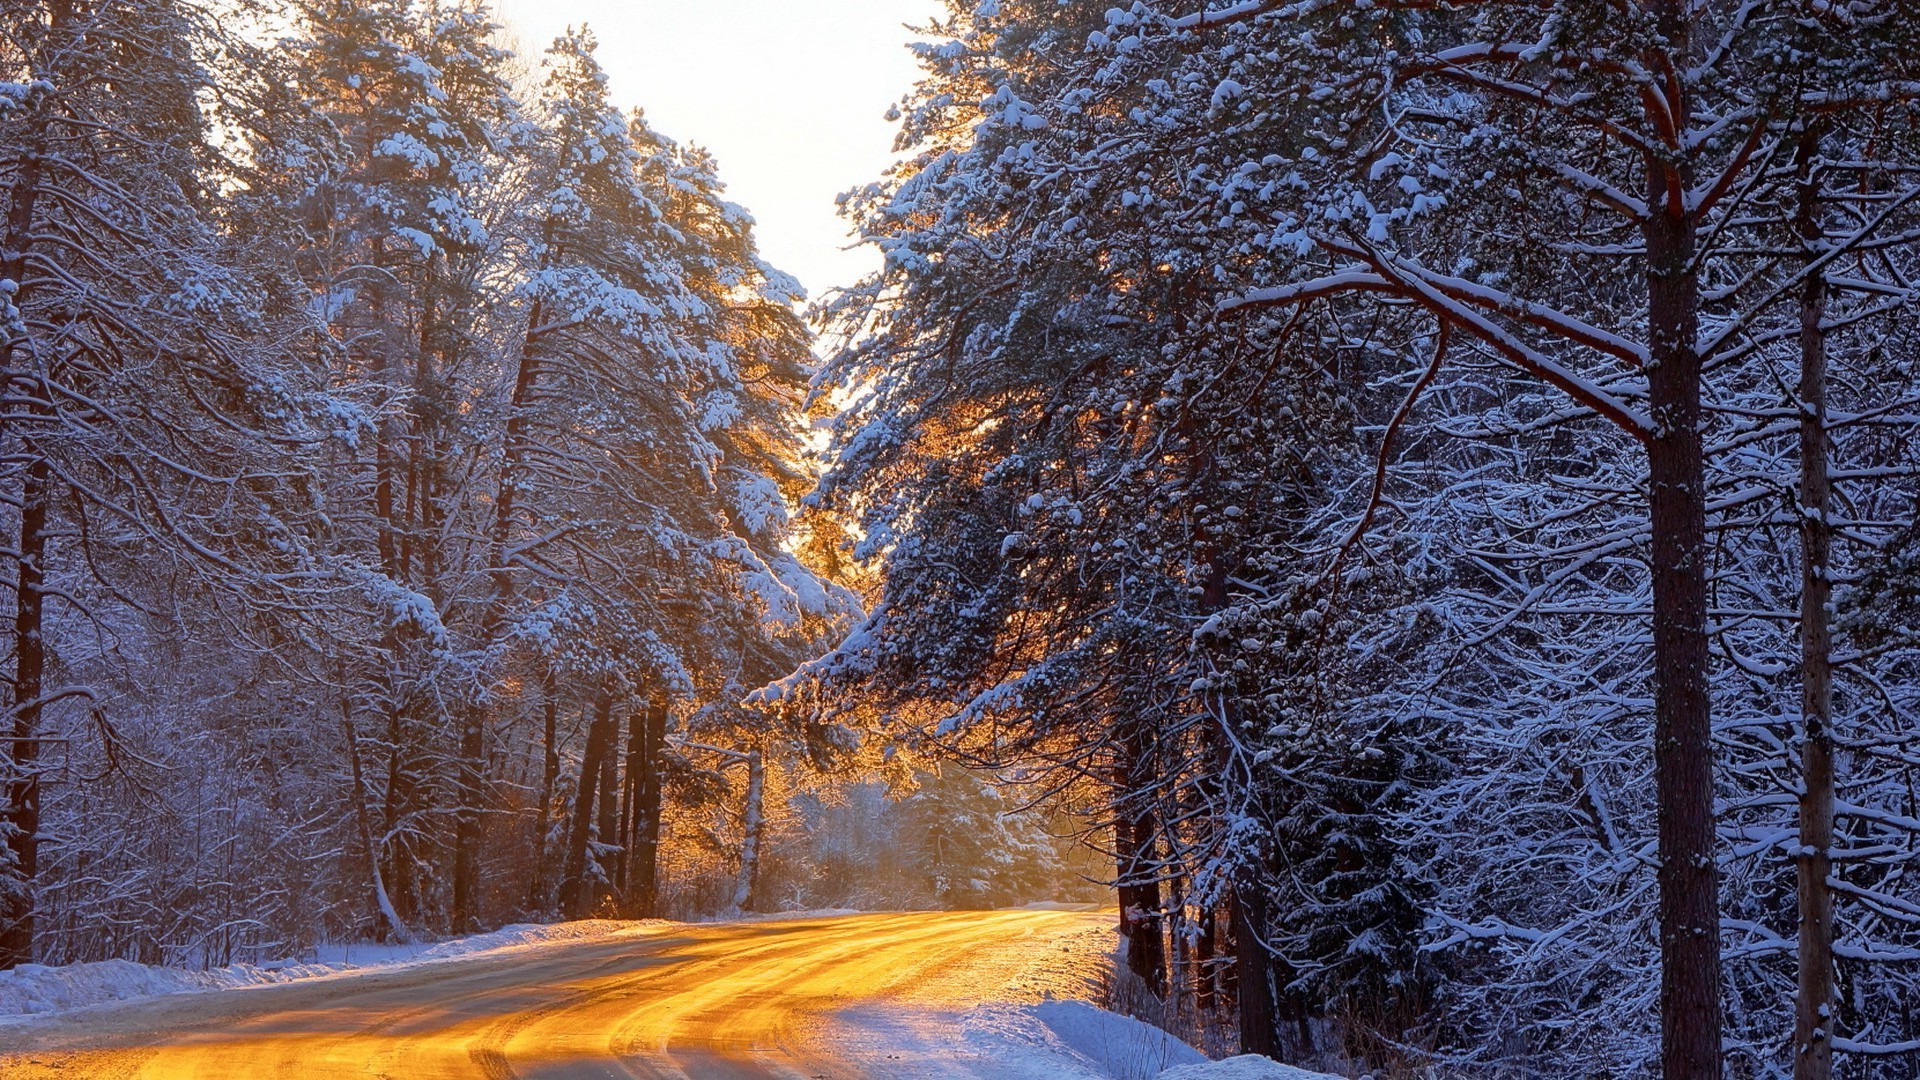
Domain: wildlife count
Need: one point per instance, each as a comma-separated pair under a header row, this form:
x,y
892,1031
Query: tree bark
x,y
746,886
1205,993
1139,895
630,800
383,908
549,779
1259,1015
644,859
576,892
469,818
607,819
1814,1017
22,812
1690,1005
1179,939
397,803
29,687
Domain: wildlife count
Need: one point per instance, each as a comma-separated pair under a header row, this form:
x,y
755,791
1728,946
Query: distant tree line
x,y
398,457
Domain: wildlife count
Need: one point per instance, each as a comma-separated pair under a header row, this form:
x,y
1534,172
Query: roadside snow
x,y
1037,1025
1120,1047
1050,1040
784,916
1032,1025
1246,1067
33,989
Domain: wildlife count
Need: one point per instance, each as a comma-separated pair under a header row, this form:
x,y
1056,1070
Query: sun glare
x,y
794,107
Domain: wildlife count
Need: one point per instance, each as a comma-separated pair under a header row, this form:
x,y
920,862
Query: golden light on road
x,y
715,1001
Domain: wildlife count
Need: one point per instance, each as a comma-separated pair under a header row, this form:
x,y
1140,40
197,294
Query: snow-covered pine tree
x,y
1299,165
147,435
380,180
652,450
263,411
1419,136
1091,503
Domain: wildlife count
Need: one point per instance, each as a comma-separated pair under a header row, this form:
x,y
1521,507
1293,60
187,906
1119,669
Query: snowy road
x,y
841,997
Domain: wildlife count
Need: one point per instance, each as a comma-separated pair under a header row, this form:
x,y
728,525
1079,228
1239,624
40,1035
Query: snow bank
x,y
783,916
1048,1040
32,989
36,988
1009,1011
1246,1067
535,934
1116,1046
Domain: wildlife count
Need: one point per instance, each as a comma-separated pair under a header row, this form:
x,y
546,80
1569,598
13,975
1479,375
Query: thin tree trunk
x,y
1203,950
1813,1011
549,778
644,864
1179,952
1139,894
396,803
382,902
393,563
747,886
392,553
470,815
22,811
576,894
1683,736
29,677
630,799
607,819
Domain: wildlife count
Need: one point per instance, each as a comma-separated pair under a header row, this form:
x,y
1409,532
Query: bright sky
x,y
790,97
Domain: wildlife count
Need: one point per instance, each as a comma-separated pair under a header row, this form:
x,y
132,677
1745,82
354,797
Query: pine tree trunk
x,y
19,366
644,859
630,800
383,908
577,894
1814,1006
1259,1016
1139,894
396,847
1179,953
607,819
549,779
747,885
469,818
1205,994
29,677
392,557
1683,735
389,530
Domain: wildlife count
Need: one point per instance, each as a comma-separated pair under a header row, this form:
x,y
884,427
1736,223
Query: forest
x,y
1413,503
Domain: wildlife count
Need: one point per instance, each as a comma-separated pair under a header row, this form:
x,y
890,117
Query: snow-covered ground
x,y
1040,1028
36,988
1049,1040
1249,1067
984,997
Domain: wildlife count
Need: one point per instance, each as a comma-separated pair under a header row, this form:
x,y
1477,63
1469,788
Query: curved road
x,y
702,1002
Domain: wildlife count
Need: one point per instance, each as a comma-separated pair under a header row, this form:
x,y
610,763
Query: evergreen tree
x,y
146,433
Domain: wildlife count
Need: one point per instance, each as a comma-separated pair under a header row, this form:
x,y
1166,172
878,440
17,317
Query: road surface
x,y
724,1001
